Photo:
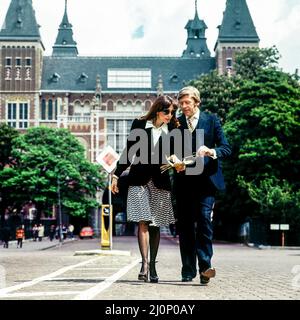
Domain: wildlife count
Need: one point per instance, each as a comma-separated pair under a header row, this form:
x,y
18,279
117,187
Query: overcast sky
x,y
147,27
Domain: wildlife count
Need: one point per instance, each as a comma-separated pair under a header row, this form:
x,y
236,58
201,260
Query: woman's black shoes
x,y
148,271
153,274
143,275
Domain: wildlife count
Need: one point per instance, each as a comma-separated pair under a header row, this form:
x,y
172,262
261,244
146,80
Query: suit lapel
x,y
202,123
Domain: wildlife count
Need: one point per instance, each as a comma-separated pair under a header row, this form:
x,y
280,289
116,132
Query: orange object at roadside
x,y
20,234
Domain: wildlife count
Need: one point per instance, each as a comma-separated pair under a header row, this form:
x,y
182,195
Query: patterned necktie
x,y
190,124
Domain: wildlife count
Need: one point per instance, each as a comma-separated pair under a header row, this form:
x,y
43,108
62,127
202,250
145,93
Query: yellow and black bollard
x,y
106,227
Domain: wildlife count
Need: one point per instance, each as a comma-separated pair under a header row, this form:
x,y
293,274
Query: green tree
x,y
51,160
263,128
7,135
250,62
216,93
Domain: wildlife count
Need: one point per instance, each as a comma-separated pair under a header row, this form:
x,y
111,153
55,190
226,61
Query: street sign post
x,y
108,159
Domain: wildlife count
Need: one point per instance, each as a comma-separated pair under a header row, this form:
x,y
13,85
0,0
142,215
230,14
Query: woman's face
x,y
166,115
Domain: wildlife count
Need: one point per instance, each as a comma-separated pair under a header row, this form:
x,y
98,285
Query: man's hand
x,y
203,151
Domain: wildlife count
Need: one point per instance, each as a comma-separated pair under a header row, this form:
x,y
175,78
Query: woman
x,y
149,198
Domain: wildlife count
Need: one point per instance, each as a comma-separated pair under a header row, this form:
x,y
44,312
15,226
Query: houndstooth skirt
x,y
148,203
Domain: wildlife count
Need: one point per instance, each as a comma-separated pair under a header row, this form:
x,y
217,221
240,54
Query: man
x,y
20,236
195,191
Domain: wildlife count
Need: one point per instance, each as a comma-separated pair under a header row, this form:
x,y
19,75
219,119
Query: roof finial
x,y
66,4
196,5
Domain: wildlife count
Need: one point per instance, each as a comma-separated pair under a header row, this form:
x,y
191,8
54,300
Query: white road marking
x,y
88,269
39,294
33,282
92,292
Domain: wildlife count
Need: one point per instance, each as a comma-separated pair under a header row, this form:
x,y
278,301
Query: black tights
x,y
148,236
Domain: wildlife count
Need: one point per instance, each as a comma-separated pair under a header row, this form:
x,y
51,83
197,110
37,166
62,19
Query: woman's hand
x,y
114,185
179,167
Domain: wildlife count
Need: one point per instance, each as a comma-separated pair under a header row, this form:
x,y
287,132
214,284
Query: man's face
x,y
188,105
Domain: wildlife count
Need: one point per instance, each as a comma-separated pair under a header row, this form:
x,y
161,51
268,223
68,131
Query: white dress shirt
x,y
156,132
195,119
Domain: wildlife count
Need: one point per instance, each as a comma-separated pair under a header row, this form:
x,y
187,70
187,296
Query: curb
x,y
59,244
103,253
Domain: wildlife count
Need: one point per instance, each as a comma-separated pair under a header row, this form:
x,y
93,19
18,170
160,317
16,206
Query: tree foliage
x,y
263,128
48,161
7,134
261,106
216,93
250,62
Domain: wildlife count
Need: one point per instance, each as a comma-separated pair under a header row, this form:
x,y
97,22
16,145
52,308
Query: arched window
x,y
110,105
148,105
50,109
78,109
43,111
86,108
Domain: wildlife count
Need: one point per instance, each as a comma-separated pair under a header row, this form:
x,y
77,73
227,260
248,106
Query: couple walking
x,y
149,200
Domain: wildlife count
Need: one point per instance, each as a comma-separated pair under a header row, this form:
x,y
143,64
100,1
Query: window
x,y
8,61
18,61
117,132
43,113
17,115
229,63
28,62
48,110
129,78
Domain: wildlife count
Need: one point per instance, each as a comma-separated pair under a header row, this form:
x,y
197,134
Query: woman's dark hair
x,y
162,103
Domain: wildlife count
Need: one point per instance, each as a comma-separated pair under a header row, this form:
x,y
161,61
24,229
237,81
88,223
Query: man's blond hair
x,y
191,91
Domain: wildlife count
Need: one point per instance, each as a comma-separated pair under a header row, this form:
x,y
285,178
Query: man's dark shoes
x,y
206,275
187,279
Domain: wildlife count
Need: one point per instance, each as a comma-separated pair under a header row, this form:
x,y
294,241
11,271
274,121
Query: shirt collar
x,y
196,115
163,127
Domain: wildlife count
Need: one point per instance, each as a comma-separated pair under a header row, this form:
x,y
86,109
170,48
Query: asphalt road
x,y
41,272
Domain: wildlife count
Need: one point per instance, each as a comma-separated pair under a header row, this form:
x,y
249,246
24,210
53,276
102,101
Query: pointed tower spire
x,y
65,44
196,41
236,32
20,22
237,24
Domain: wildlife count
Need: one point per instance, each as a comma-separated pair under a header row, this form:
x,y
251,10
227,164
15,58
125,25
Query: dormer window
x,y
83,77
55,77
174,78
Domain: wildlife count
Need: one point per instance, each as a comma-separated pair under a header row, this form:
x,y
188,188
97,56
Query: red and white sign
x,y
108,158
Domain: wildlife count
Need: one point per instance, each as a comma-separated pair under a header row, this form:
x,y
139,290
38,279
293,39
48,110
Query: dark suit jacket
x,y
214,138
139,173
